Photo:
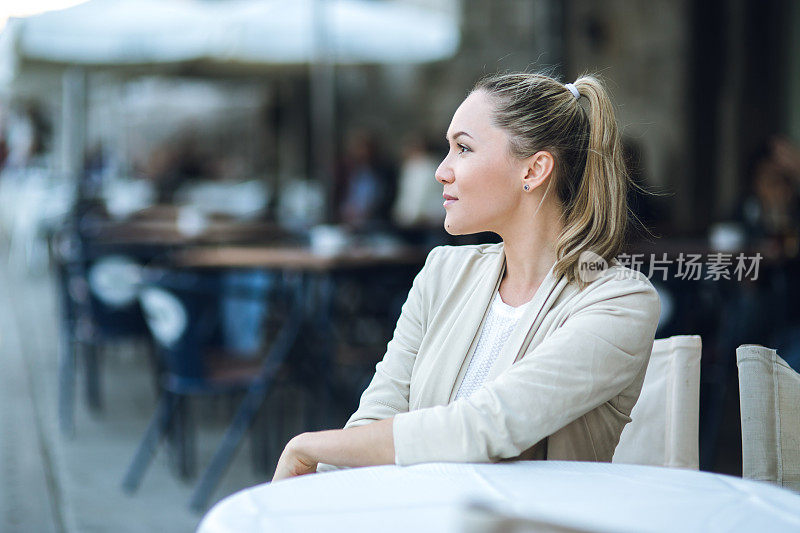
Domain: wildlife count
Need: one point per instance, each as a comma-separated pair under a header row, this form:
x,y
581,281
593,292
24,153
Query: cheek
x,y
492,183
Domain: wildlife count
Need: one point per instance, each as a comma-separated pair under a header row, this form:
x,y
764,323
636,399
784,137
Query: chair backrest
x,y
769,396
664,422
187,313
114,280
113,285
182,312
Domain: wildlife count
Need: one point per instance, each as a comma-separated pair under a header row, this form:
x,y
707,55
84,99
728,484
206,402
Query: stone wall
x,y
641,48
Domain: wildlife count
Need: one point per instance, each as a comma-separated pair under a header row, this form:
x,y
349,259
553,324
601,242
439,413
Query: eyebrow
x,y
457,135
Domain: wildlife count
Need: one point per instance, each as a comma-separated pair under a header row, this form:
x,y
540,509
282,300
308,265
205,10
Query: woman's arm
x,y
387,393
594,355
386,396
369,445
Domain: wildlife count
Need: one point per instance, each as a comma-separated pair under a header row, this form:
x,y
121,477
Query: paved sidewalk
x,y
28,494
49,483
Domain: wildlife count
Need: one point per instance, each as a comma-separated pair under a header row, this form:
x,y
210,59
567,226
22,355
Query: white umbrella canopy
x,y
109,32
250,33
345,31
212,38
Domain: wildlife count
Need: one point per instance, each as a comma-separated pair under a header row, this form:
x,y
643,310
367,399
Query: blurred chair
x,y
182,311
115,311
769,395
98,303
664,422
35,203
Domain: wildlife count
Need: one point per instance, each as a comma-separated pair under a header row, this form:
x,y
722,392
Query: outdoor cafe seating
x,y
571,496
217,321
182,311
181,289
769,396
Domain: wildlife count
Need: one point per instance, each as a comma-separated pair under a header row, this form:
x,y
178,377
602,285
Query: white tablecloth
x,y
523,496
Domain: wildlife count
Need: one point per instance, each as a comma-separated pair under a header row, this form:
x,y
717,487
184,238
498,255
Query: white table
x,y
523,496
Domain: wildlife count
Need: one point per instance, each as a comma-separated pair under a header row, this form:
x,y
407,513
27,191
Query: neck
x,y
530,251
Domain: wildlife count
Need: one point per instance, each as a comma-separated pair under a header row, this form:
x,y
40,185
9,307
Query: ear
x,y
539,168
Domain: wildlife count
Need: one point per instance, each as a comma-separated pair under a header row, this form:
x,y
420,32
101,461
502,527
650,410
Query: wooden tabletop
x,y
295,258
168,233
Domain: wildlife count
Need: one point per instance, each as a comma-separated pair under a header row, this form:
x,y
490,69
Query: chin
x,y
458,228
450,230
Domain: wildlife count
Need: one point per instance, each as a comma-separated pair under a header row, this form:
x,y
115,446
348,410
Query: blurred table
x,y
313,273
169,233
524,496
295,258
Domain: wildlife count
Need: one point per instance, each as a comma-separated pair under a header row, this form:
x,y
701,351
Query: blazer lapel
x,y
520,339
442,375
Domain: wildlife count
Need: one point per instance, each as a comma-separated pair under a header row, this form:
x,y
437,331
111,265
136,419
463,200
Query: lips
x,y
449,199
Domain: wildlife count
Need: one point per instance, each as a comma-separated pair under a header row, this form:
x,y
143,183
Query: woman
x,y
524,349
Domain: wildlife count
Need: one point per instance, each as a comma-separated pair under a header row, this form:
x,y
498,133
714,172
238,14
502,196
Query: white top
x,y
500,323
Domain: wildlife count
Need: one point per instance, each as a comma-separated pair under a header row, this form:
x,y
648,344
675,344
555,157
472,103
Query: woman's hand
x,y
294,460
368,445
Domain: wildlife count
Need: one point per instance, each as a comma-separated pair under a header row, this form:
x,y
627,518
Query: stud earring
x,y
527,187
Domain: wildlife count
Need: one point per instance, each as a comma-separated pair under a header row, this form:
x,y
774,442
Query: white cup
x,y
726,237
328,240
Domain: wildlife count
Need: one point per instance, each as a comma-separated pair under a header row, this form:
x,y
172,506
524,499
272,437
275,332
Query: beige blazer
x,y
566,396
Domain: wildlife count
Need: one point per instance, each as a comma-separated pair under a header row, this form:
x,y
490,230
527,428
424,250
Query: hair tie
x,y
573,90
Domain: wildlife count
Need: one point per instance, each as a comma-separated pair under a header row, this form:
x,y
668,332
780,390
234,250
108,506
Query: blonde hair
x,y
540,113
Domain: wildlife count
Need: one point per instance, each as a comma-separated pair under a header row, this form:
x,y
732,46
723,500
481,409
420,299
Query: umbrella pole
x,y
323,105
73,126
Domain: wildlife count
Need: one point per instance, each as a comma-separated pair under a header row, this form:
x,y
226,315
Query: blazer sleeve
x,y
591,358
387,393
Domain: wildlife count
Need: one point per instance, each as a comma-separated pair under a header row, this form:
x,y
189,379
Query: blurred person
x,y
417,204
244,306
160,167
22,139
174,161
3,149
96,166
763,311
771,212
367,182
787,157
529,348
3,136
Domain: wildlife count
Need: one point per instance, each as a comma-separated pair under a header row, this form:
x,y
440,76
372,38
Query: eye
x,y
462,148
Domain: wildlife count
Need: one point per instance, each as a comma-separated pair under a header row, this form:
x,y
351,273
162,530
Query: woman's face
x,y
482,180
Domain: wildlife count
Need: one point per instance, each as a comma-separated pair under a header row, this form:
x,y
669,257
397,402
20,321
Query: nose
x,y
444,174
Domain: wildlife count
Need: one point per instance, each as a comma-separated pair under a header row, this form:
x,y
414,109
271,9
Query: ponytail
x,y
596,218
591,180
